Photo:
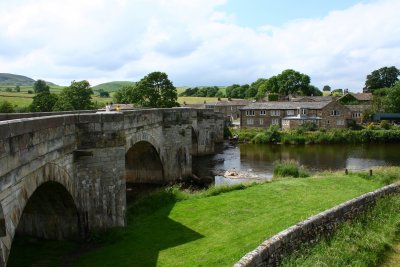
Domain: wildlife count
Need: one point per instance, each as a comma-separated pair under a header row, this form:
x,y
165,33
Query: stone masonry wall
x,y
273,250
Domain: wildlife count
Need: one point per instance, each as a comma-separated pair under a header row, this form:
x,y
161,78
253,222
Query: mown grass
x,y
363,242
218,226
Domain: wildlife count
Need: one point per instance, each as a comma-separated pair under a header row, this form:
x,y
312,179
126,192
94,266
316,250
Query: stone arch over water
x,y
143,164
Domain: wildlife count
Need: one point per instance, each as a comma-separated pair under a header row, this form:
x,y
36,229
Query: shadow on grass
x,y
148,234
149,231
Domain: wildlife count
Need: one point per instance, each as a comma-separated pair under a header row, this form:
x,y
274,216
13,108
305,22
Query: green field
x,y
212,228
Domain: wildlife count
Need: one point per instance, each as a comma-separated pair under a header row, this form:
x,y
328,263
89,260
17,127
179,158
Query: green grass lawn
x,y
217,230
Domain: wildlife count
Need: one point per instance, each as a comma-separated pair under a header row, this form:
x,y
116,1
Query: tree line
x,y
156,90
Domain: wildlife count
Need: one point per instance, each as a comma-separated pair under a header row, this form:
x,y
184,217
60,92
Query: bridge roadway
x,y
63,175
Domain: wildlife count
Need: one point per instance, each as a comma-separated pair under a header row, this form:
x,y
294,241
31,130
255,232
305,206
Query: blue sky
x,y
199,42
255,13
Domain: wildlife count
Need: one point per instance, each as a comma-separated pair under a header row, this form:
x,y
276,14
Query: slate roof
x,y
363,96
357,108
286,105
230,103
312,98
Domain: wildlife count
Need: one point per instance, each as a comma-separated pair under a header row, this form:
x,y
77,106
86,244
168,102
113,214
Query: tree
x,y
40,86
43,102
6,107
392,103
291,81
155,90
77,96
381,78
17,88
326,88
314,91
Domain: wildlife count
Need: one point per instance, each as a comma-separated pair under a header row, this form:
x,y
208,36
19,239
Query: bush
x,y
6,107
385,124
289,168
271,135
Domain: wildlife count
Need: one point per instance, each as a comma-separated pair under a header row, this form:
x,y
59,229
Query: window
x,y
335,112
303,111
263,112
290,112
356,115
250,113
275,113
261,121
275,122
250,121
340,122
285,122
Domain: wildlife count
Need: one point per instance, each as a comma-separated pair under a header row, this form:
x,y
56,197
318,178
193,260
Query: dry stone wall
x,y
273,250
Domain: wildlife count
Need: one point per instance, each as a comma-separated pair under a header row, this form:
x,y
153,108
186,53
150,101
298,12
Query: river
x,y
256,161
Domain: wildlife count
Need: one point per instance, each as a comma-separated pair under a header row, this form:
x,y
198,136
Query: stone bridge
x,y
63,175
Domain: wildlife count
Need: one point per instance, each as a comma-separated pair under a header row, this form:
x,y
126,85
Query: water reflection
x,y
259,159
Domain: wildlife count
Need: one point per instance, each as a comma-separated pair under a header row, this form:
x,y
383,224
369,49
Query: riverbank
x,y
215,227
333,136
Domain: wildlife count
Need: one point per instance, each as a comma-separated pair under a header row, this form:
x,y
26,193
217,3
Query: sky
x,y
199,42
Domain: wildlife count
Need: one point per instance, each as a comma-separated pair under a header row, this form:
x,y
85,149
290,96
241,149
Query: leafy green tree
x,y
40,86
17,88
125,95
6,107
155,90
381,78
77,96
393,99
314,91
231,90
291,81
43,102
326,88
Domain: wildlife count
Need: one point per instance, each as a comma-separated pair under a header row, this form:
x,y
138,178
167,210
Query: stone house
x,y
357,112
230,108
290,115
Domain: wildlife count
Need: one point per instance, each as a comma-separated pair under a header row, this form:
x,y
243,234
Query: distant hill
x,y
112,86
14,79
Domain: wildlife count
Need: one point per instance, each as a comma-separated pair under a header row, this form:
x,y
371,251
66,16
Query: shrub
x,y
289,168
6,107
385,124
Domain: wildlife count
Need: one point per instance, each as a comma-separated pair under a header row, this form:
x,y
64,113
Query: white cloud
x,y
103,40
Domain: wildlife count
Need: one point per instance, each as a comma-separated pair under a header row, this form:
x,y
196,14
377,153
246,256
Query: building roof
x,y
386,116
363,96
195,106
359,96
240,102
358,108
286,105
312,98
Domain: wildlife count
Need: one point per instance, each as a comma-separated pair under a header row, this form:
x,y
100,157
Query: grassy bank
x,y
334,136
363,242
214,227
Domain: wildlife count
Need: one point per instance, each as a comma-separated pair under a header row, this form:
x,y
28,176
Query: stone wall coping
x,y
260,255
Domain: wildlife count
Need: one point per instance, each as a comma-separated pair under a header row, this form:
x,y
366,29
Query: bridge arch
x,y
42,206
143,164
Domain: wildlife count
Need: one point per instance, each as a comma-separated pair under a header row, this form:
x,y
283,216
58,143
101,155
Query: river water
x,y
255,162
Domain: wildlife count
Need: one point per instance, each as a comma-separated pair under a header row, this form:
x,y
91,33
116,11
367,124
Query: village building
x,y
230,108
290,115
358,112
